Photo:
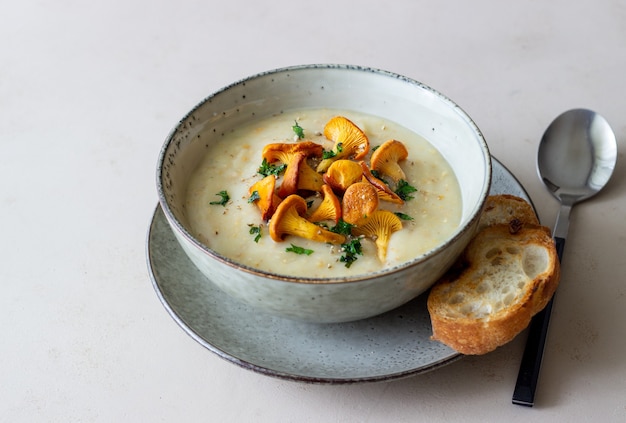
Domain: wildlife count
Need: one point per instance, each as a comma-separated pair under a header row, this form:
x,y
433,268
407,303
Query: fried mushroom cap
x,y
384,192
308,178
267,199
288,220
329,208
359,201
343,173
386,158
284,152
350,141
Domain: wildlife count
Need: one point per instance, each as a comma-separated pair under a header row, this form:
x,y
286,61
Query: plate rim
x,y
187,328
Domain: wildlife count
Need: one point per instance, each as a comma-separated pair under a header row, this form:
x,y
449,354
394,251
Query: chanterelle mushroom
x,y
343,173
350,141
384,192
385,159
289,184
308,178
298,173
266,200
359,202
379,226
288,220
283,152
329,208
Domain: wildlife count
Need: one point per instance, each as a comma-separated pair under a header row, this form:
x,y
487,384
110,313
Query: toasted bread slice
x,y
504,209
508,274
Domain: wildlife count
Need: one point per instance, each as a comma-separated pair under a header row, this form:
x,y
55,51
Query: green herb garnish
x,y
403,216
298,250
267,169
297,129
404,189
223,201
254,196
376,174
328,154
332,153
256,231
351,250
343,228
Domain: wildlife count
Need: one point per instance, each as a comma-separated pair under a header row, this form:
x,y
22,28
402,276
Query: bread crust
x,y
504,208
464,306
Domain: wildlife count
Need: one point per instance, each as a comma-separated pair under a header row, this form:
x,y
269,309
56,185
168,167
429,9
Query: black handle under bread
x,y
524,393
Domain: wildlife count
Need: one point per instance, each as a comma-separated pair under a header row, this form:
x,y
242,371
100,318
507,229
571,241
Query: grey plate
x,y
390,346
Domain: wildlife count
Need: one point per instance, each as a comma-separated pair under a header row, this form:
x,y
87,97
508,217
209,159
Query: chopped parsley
x,y
404,190
297,129
376,174
298,250
254,196
351,250
403,216
223,201
256,231
343,228
267,169
332,153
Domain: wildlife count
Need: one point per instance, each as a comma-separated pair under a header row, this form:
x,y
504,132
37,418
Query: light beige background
x,y
88,93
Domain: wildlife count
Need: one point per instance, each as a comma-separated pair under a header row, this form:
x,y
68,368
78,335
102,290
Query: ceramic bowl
x,y
402,100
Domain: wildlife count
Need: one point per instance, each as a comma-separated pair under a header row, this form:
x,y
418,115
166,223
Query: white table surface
x,y
88,93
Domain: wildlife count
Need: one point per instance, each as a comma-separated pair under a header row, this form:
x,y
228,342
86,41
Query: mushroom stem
x,y
289,183
379,227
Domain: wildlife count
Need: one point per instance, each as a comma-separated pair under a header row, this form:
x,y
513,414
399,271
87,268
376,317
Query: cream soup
x,y
232,162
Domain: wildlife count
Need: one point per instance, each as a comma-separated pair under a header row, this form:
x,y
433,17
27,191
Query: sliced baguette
x,y
507,274
504,208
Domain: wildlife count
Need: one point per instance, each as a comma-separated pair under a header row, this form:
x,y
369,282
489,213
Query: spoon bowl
x,y
577,155
576,158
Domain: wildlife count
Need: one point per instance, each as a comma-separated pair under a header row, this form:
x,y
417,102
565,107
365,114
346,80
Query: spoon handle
x,y
524,393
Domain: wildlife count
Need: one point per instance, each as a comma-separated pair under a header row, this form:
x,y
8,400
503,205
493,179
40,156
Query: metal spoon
x,y
576,158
